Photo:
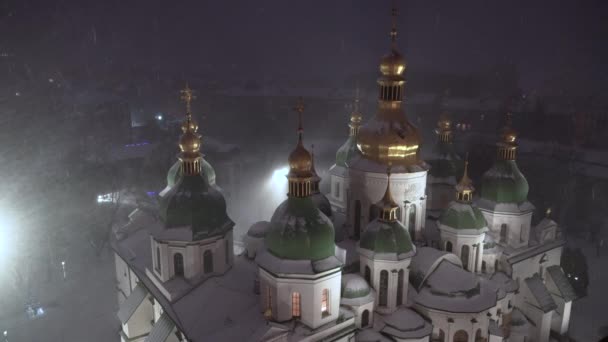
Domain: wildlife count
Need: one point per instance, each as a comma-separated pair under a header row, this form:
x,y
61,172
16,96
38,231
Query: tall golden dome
x,y
300,174
190,140
389,136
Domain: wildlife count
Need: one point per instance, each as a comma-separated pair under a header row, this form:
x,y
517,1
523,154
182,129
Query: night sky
x,y
555,44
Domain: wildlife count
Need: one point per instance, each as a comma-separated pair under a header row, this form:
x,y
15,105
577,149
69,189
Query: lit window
x,y
325,302
295,304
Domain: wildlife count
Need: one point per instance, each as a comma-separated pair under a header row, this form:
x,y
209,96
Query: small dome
x,y
190,142
504,183
392,64
460,215
354,286
300,161
300,231
259,229
386,237
192,202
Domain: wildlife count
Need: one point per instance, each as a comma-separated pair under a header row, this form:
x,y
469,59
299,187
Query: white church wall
x,y
450,322
528,267
140,322
518,227
458,240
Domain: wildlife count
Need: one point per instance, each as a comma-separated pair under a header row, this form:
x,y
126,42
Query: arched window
x,y
441,336
158,259
207,262
478,337
368,275
295,304
448,246
461,336
400,282
495,266
411,223
357,219
464,256
483,267
325,302
365,318
383,288
504,231
178,264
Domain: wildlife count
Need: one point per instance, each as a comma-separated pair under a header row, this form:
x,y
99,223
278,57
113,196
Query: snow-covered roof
x,y
231,295
506,283
540,293
406,323
128,307
161,329
561,282
449,288
276,265
425,261
370,335
519,255
259,229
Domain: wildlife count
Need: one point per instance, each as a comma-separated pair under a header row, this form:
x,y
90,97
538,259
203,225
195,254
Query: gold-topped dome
x,y
300,174
392,64
444,123
190,140
389,137
387,204
465,188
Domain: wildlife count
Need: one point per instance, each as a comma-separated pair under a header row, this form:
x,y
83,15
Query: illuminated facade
x,y
494,277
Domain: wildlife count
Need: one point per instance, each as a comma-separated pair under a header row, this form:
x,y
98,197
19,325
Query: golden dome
x,y
189,124
300,161
444,123
389,137
190,142
392,64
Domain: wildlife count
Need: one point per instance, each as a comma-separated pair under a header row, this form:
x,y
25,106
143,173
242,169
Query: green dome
x,y
462,216
193,202
347,151
504,183
386,237
300,231
175,173
445,161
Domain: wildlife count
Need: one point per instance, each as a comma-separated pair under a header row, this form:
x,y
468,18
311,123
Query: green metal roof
x,y
462,216
193,202
347,151
446,162
300,231
386,237
175,173
504,183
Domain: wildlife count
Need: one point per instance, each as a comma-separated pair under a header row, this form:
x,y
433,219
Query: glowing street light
x,y
159,117
63,268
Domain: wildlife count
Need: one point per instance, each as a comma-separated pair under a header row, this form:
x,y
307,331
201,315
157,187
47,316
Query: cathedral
x,y
421,255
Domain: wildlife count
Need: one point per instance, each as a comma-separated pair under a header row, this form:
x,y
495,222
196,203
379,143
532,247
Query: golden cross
x,y
394,13
299,108
187,96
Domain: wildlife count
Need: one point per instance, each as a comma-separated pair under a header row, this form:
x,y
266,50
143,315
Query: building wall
x,y
440,191
407,189
528,267
450,323
459,239
311,292
392,267
518,226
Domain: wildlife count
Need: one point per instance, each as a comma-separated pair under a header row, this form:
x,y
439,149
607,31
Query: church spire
x,y
387,205
190,140
507,146
464,188
355,116
300,174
